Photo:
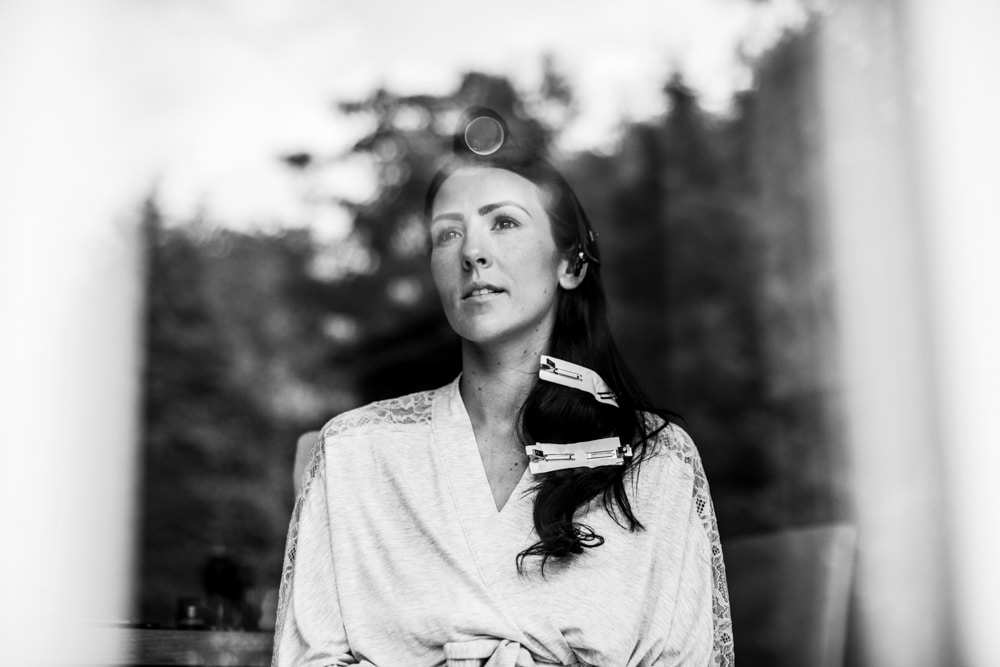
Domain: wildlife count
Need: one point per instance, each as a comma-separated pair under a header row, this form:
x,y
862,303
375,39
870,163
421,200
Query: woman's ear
x,y
572,272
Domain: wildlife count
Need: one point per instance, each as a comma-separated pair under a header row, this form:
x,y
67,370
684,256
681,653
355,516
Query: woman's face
x,y
493,258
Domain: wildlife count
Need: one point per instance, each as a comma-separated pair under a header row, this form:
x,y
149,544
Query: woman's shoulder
x,y
371,422
672,456
671,450
409,410
668,438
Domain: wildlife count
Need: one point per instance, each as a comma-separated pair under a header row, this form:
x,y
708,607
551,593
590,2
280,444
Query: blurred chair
x,y
789,592
302,450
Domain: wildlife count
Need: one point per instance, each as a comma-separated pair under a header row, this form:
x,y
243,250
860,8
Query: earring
x,y
581,261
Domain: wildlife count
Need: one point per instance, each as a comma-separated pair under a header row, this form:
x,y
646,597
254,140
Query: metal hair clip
x,y
546,457
576,377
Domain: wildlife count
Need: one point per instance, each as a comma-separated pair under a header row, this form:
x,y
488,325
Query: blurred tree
x,y
404,343
253,338
232,376
709,223
716,281
776,134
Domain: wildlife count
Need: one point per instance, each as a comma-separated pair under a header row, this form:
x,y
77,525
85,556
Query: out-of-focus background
x,y
210,243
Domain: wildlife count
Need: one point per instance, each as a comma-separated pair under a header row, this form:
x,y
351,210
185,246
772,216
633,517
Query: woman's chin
x,y
482,336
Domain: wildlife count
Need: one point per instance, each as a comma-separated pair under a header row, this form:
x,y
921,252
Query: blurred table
x,y
205,648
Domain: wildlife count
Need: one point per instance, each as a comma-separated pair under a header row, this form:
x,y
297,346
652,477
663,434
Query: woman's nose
x,y
475,253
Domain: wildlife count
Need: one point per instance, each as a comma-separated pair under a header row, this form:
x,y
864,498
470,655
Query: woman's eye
x,y
505,222
445,235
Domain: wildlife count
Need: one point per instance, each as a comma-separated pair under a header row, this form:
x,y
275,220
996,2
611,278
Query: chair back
x,y
790,593
303,448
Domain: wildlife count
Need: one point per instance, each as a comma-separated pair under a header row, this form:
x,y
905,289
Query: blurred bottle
x,y
253,599
232,602
191,614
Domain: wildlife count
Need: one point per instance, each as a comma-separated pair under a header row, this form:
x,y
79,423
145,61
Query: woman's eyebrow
x,y
447,216
492,207
483,210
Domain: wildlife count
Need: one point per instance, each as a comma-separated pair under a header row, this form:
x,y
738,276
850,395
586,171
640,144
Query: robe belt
x,y
496,652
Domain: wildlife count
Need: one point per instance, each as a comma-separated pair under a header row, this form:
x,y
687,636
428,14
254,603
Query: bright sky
x,y
209,92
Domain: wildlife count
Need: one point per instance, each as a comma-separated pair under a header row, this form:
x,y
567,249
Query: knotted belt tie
x,y
496,652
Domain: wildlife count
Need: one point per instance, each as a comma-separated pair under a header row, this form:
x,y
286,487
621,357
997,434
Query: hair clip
x,y
587,240
576,377
546,457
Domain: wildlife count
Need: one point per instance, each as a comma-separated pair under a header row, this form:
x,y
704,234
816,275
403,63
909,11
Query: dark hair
x,y
556,414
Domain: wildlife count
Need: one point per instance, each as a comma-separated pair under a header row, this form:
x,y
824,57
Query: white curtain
x,y
909,131
70,318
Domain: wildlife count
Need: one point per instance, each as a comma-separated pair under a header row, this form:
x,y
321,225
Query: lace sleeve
x,y
312,470
308,629
309,622
680,444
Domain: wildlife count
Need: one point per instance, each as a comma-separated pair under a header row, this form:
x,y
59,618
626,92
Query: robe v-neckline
x,y
462,465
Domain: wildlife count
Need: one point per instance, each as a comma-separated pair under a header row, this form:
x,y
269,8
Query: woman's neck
x,y
496,381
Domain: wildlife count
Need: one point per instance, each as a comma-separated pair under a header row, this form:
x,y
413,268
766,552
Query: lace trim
x,y
409,409
678,443
314,469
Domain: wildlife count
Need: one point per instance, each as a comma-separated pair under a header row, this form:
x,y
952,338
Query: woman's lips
x,y
479,291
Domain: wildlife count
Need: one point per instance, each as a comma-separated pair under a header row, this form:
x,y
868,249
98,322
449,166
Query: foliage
x,y
230,379
715,277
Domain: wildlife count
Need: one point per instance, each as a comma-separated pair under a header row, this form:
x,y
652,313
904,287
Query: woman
x,y
530,512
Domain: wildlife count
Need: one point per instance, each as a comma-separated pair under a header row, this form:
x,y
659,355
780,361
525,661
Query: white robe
x,y
398,557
